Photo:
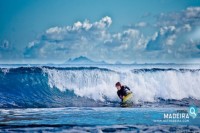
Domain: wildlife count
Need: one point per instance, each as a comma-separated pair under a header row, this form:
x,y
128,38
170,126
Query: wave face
x,y
92,86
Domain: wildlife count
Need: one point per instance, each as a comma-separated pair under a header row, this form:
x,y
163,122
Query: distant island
x,y
83,60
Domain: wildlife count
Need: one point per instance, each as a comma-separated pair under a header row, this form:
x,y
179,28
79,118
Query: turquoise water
x,y
84,98
97,119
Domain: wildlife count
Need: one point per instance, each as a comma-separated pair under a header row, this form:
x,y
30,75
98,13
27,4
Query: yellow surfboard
x,y
127,101
128,97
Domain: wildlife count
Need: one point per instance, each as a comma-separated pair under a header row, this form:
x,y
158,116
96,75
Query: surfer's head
x,y
118,85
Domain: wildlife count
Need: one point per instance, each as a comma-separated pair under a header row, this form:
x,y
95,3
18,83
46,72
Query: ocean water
x,y
82,98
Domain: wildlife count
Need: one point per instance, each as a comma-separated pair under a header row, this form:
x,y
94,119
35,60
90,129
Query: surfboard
x,y
128,97
127,101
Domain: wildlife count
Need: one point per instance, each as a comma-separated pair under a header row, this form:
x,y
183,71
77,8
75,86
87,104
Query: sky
x,y
126,31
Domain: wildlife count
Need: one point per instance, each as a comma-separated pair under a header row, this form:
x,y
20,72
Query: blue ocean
x,y
83,98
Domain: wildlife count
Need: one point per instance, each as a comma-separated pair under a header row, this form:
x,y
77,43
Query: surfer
x,y
123,90
125,94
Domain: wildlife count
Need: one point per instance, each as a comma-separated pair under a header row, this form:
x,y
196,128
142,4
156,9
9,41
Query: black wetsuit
x,y
124,91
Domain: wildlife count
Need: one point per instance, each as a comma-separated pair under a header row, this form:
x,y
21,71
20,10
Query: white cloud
x,y
87,39
54,30
171,41
104,22
141,24
189,16
192,12
187,27
87,25
8,53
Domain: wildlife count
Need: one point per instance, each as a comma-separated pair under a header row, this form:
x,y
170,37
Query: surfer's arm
x,y
127,88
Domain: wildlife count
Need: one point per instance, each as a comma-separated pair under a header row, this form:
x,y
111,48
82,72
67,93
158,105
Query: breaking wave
x,y
92,86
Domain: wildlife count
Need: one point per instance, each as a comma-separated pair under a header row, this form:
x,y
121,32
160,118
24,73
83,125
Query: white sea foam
x,y
100,84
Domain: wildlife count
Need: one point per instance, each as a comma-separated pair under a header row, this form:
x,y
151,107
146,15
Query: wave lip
x,y
164,70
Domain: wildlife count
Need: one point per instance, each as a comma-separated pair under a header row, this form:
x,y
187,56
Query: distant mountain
x,y
83,60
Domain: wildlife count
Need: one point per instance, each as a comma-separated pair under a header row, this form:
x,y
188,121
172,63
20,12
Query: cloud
x,y
176,38
84,38
189,16
160,40
8,52
141,24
